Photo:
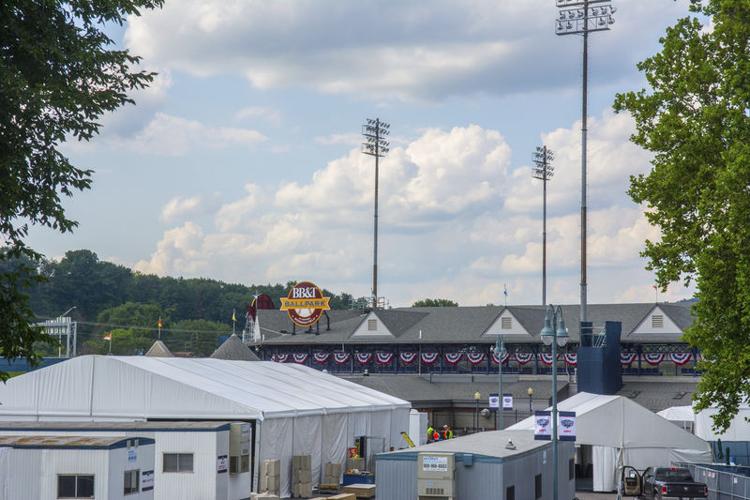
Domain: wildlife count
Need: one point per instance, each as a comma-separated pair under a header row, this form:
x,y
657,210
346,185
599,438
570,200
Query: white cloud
x,y
349,139
443,230
268,114
179,207
406,49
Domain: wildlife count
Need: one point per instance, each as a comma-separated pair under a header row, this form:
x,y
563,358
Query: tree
x,y
59,75
695,121
434,303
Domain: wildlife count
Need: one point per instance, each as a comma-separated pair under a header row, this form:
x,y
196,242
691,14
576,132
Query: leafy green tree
x,y
59,74
435,303
695,120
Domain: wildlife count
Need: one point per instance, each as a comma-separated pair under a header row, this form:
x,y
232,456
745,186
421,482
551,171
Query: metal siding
x,y
396,479
480,480
54,462
198,485
118,464
23,475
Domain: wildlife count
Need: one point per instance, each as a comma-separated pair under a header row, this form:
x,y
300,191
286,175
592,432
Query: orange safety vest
x,y
436,436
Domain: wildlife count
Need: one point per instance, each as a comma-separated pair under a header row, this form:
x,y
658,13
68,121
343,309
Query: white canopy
x,y
303,411
623,431
678,414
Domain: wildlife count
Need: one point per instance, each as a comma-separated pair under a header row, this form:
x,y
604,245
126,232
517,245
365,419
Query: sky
x,y
242,160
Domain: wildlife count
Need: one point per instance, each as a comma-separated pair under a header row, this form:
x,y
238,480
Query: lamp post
x,y
500,351
555,334
477,397
530,392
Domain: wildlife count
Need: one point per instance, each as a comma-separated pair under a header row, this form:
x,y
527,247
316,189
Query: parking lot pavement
x,y
588,495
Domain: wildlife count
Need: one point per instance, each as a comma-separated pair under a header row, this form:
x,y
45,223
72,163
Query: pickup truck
x,y
660,483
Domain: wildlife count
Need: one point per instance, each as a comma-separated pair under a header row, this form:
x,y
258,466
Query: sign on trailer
x,y
435,464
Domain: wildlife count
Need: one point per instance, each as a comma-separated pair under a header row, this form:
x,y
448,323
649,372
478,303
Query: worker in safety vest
x,y
430,432
447,432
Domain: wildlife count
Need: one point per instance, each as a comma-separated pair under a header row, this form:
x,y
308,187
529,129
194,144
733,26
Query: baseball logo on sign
x,y
305,304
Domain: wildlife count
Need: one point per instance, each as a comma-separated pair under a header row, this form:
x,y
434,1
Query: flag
x,y
234,316
159,323
108,336
505,290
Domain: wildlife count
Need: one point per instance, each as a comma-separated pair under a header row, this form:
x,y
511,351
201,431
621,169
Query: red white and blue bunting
x,y
571,359
680,358
383,358
363,358
546,358
299,357
430,358
453,358
627,358
523,357
281,357
321,358
341,357
407,357
476,358
496,360
653,358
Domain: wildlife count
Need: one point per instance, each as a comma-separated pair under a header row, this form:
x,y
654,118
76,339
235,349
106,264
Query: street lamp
x,y
477,397
500,351
530,392
555,334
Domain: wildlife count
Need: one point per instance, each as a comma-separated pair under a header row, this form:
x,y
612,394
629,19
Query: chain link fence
x,y
725,482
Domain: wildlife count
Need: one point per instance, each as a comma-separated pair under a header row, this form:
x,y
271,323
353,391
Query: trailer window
x,y
178,462
75,486
538,486
131,481
510,493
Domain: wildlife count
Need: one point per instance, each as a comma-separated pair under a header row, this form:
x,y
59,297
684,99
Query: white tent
x,y
623,432
298,410
678,414
703,423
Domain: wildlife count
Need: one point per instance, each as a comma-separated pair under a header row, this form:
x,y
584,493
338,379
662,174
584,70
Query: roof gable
x,y
656,325
372,326
506,323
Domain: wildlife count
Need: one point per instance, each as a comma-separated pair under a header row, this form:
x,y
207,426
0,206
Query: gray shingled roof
x,y
465,324
657,395
159,350
233,348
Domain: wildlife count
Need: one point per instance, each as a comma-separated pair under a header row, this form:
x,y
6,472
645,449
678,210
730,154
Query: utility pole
x,y
579,17
543,170
375,144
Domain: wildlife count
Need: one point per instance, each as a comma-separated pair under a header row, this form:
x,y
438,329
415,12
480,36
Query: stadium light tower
x,y
375,133
580,17
543,170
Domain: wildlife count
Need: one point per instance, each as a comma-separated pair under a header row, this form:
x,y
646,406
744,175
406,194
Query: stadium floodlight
x,y
580,17
543,170
375,144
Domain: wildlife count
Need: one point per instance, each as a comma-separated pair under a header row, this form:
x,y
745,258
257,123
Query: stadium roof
x,y
471,324
233,348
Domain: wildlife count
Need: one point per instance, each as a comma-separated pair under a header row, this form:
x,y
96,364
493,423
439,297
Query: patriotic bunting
x,y
453,357
680,358
321,357
523,357
383,358
627,358
653,358
545,358
430,358
341,357
475,358
280,358
407,358
299,357
571,359
496,360
363,358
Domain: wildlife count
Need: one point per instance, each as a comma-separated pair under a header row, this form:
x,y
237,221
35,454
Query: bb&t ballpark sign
x,y
305,304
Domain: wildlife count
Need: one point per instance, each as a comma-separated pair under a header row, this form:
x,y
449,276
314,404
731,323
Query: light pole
x,y
555,334
499,349
376,144
543,170
59,336
530,392
477,397
579,17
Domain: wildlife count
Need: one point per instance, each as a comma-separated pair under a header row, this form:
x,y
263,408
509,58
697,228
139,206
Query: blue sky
x,y
240,163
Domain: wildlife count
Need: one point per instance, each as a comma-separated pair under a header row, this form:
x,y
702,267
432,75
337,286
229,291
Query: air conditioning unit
x,y
436,476
239,448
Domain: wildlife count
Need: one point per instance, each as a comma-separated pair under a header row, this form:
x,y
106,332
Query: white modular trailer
x,y
52,467
204,445
295,410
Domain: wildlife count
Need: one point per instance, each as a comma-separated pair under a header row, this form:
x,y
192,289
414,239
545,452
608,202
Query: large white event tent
x,y
622,432
296,410
703,423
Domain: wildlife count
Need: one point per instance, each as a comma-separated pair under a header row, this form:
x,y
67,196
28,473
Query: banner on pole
x,y
566,425
494,401
542,425
507,401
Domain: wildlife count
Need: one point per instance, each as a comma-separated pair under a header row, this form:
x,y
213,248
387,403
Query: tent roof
x,y
140,387
233,348
678,414
618,422
159,350
489,444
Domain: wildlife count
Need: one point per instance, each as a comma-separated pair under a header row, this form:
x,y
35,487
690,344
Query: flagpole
x,y
420,352
234,321
159,325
